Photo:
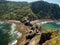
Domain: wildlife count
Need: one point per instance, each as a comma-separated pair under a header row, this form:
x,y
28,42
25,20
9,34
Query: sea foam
x,y
14,32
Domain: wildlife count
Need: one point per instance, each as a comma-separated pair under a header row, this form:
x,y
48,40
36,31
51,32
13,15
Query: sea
x,y
8,34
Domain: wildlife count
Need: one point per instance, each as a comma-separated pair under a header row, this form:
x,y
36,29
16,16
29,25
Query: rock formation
x,y
34,35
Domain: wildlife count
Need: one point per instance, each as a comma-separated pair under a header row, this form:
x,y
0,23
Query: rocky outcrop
x,y
34,35
29,36
54,41
35,40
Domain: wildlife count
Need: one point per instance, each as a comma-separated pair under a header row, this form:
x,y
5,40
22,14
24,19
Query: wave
x,y
44,22
58,23
15,34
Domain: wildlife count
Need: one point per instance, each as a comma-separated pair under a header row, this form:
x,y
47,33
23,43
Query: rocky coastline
x,y
33,35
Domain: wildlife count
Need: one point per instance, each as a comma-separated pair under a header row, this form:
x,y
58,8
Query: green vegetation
x,y
46,10
29,11
54,36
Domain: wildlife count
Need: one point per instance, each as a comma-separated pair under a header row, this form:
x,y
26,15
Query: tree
x,y
42,9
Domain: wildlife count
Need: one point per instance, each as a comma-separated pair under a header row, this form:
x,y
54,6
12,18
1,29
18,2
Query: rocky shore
x,y
34,35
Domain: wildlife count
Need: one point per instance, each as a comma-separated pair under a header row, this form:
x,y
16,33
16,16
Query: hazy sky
x,y
51,1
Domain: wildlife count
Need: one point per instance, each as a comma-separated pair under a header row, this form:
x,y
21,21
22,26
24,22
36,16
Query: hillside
x,y
29,11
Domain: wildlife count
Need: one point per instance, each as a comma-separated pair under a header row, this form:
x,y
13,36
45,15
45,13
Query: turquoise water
x,y
5,34
51,26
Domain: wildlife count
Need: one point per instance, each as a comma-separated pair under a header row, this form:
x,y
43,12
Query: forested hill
x,y
46,10
29,11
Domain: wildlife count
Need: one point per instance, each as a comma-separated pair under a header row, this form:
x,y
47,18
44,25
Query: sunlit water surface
x,y
51,26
